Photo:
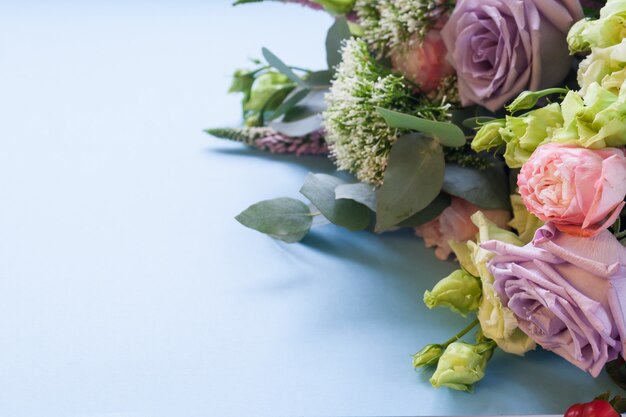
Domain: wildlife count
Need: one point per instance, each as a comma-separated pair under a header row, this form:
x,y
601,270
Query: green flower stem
x,y
317,213
462,333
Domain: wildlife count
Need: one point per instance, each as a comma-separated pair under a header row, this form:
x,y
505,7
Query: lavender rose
x,y
502,47
568,293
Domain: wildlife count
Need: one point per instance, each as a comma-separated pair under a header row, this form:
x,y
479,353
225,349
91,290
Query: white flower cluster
x,y
388,24
359,138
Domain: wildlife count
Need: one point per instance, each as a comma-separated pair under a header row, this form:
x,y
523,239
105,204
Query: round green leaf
x,y
412,180
359,192
320,189
487,189
430,212
283,218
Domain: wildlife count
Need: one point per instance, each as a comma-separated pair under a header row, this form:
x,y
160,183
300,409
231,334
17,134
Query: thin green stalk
x,y
462,333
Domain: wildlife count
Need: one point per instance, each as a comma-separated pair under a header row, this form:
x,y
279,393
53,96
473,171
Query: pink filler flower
x,y
424,61
454,223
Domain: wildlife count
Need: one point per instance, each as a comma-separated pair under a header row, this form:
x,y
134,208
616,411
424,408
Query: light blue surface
x,y
126,287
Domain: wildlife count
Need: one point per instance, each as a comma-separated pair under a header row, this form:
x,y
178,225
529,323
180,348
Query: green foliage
x,y
413,179
283,68
320,190
487,189
359,192
447,134
295,97
284,218
430,212
337,33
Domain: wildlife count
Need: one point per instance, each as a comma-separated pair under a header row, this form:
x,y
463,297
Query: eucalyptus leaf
x,y
359,192
434,209
412,180
320,78
298,113
315,100
275,62
320,190
283,218
487,189
311,104
298,128
447,134
295,97
337,33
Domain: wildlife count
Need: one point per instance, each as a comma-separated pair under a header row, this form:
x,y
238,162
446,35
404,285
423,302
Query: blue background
x,y
126,286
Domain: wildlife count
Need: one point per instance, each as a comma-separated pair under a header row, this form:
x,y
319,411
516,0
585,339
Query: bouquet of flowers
x,y
495,129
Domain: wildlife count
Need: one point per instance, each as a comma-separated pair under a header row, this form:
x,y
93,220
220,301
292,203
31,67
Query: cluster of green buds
x,y
459,365
521,135
469,290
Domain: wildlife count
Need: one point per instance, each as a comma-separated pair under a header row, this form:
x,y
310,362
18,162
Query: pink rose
x,y
502,47
423,61
454,223
580,190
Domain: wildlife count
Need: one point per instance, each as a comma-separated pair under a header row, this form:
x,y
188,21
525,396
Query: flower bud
x,y
488,136
462,365
576,39
528,99
459,291
429,355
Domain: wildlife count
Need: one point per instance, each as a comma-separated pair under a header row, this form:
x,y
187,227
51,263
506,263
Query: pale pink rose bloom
x,y
580,190
423,61
454,223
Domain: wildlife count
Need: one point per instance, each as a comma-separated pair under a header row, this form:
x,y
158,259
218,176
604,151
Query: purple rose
x,y
501,47
567,292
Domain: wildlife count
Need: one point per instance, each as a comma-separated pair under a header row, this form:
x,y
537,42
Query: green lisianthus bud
x,y
528,99
462,365
576,38
337,6
459,291
429,355
488,136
